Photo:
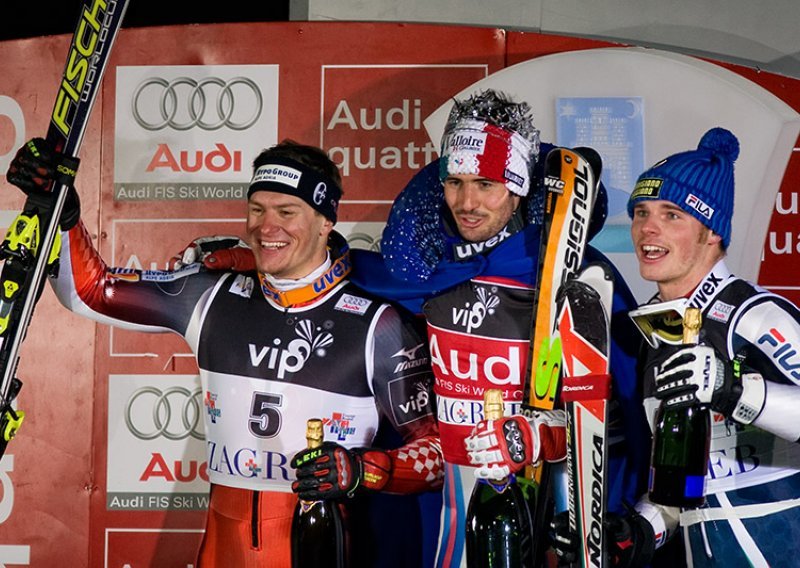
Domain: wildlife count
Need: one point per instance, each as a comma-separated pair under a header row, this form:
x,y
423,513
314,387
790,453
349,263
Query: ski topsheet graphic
x,y
584,327
571,181
31,247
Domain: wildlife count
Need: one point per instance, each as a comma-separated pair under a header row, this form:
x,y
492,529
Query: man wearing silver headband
x,y
464,237
290,341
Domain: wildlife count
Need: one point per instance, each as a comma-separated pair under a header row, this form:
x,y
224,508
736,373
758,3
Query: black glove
x,y
630,540
332,471
34,169
698,374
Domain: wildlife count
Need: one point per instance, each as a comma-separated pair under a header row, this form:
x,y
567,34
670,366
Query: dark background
x,y
31,18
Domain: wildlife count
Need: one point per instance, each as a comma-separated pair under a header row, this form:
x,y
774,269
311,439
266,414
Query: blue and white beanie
x,y
698,181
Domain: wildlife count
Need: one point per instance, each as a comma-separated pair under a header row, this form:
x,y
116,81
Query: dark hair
x,y
311,156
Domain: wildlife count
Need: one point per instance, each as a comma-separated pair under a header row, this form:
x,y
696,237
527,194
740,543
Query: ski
x,y
571,179
32,243
584,328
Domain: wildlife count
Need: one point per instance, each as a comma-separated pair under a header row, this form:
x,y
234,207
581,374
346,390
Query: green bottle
x,y
679,460
319,532
499,525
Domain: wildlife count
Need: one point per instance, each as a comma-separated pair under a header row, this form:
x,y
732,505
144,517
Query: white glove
x,y
698,374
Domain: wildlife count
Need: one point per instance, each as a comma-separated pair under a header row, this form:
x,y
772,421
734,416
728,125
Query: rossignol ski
x,y
571,179
32,243
584,328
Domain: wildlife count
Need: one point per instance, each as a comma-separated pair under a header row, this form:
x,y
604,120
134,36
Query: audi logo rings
x,y
162,412
184,108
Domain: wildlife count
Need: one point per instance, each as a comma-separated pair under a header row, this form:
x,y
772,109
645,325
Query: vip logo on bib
x,y
472,316
409,400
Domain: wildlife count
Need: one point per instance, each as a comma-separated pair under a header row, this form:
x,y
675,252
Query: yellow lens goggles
x,y
661,322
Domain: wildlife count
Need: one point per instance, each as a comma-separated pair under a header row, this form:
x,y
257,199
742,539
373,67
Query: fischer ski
x,y
571,179
584,327
32,243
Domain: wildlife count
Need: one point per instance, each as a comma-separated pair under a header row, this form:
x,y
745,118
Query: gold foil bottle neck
x,y
314,432
493,404
691,326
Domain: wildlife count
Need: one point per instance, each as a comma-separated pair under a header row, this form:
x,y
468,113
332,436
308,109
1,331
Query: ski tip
x,y
592,157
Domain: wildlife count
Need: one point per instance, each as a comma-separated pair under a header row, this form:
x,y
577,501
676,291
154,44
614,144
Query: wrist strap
x,y
750,404
67,169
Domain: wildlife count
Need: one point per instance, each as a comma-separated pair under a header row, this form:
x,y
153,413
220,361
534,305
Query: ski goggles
x,y
661,322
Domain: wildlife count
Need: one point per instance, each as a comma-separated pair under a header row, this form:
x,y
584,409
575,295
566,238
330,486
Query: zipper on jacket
x,y
255,521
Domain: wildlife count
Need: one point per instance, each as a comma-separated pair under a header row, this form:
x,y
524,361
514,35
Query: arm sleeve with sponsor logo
x,y
767,332
149,301
402,382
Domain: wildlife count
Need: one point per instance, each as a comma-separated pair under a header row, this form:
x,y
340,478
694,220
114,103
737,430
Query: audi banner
x,y
109,469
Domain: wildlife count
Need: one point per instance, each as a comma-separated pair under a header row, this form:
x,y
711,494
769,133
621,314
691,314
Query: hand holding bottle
x,y
679,459
499,528
331,471
506,445
699,374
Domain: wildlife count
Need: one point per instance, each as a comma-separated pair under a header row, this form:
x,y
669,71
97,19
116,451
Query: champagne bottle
x,y
319,532
499,525
679,460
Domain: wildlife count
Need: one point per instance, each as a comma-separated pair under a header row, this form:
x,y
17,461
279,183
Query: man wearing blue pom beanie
x,y
749,341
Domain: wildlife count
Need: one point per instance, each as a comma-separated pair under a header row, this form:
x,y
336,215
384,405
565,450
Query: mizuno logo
x,y
409,354
411,360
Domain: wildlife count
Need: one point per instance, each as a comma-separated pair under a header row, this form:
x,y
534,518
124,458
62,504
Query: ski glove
x,y
698,374
505,446
332,471
33,170
629,540
219,252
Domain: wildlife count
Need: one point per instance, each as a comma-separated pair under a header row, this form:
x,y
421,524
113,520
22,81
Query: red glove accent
x,y
236,259
376,468
219,252
416,467
552,430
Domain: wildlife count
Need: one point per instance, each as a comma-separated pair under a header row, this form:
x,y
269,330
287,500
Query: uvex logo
x,y
466,250
311,340
705,291
782,352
